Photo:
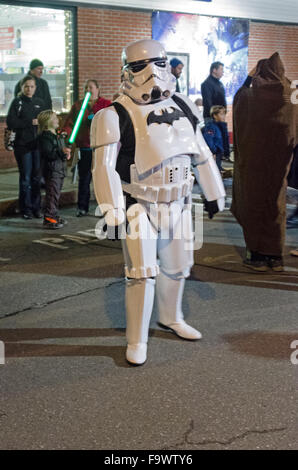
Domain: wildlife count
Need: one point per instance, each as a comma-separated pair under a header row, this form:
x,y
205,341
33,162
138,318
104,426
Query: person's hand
x,y
67,152
35,122
252,72
211,207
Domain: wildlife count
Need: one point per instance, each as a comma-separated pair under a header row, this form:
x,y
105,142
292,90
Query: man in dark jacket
x,y
213,92
42,88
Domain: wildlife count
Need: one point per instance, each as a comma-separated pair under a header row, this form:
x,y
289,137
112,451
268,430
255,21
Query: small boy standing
x,y
53,156
216,134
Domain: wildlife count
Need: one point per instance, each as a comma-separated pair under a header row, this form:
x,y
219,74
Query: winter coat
x,y
83,136
52,156
213,93
213,137
21,113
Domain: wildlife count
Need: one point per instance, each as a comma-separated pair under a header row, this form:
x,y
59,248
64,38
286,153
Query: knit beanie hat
x,y
35,63
174,62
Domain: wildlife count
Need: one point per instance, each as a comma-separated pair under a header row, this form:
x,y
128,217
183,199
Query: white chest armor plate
x,y
161,132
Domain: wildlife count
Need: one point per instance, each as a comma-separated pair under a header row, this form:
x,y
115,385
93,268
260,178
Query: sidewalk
x,y
9,188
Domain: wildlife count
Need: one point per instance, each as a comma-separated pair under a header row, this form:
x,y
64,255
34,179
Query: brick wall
x,y
267,38
103,33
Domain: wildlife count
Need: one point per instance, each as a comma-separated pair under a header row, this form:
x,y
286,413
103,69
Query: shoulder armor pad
x,y
105,128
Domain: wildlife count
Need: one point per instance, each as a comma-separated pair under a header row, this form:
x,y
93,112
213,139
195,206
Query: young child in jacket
x,y
216,134
53,156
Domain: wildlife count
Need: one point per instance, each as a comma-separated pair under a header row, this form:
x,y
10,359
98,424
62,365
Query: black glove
x,y
114,233
211,207
103,231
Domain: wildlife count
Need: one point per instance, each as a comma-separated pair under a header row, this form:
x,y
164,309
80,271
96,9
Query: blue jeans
x,y
29,183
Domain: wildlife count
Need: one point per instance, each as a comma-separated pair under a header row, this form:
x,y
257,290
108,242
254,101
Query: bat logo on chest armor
x,y
165,117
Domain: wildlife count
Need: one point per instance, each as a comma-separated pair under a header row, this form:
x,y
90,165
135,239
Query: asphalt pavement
x,y
65,383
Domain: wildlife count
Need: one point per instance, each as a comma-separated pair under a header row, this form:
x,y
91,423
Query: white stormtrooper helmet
x,y
147,76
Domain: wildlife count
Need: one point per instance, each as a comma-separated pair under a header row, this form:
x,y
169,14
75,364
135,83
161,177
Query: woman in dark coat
x,y
22,118
264,139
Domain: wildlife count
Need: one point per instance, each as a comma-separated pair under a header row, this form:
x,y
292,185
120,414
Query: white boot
x,y
169,292
139,304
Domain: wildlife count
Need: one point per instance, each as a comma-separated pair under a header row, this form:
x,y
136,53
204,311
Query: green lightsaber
x,y
79,118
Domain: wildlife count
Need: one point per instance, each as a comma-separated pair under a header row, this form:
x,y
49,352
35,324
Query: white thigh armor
x,y
161,231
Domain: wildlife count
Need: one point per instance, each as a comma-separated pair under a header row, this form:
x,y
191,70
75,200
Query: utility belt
x,y
167,184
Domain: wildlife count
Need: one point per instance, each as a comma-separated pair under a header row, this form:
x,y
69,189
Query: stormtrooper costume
x,y
158,141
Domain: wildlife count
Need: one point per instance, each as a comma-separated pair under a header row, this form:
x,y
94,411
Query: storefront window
x,y
27,33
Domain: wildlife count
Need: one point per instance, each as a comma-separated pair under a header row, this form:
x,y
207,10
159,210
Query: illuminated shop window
x,y
27,33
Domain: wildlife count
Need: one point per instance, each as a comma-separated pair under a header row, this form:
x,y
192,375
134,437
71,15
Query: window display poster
x,y
34,32
6,38
206,39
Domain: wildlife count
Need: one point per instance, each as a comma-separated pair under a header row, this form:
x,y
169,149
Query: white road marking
x,y
53,242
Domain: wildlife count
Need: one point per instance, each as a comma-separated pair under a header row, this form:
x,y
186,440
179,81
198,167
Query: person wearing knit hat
x,y
176,69
35,63
42,88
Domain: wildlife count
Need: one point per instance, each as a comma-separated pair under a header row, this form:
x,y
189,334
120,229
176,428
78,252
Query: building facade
x,y
77,43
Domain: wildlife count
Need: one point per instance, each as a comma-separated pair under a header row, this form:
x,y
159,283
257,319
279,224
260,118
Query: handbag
x,y
9,139
9,134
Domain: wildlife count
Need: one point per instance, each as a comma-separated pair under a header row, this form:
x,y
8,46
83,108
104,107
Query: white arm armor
x,y
105,137
205,168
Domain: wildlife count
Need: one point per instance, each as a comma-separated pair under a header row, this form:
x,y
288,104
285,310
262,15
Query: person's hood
x,y
270,71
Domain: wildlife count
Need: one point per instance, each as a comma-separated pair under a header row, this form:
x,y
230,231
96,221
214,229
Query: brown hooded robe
x,y
264,138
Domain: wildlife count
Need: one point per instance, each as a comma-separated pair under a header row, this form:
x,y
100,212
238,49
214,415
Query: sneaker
x,y
256,261
27,216
294,252
81,213
52,224
37,215
276,264
62,221
260,266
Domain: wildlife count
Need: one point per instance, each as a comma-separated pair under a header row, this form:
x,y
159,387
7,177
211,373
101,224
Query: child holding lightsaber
x,y
79,132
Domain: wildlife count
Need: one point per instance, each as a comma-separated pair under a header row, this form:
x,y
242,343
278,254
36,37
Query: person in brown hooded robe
x,y
264,138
